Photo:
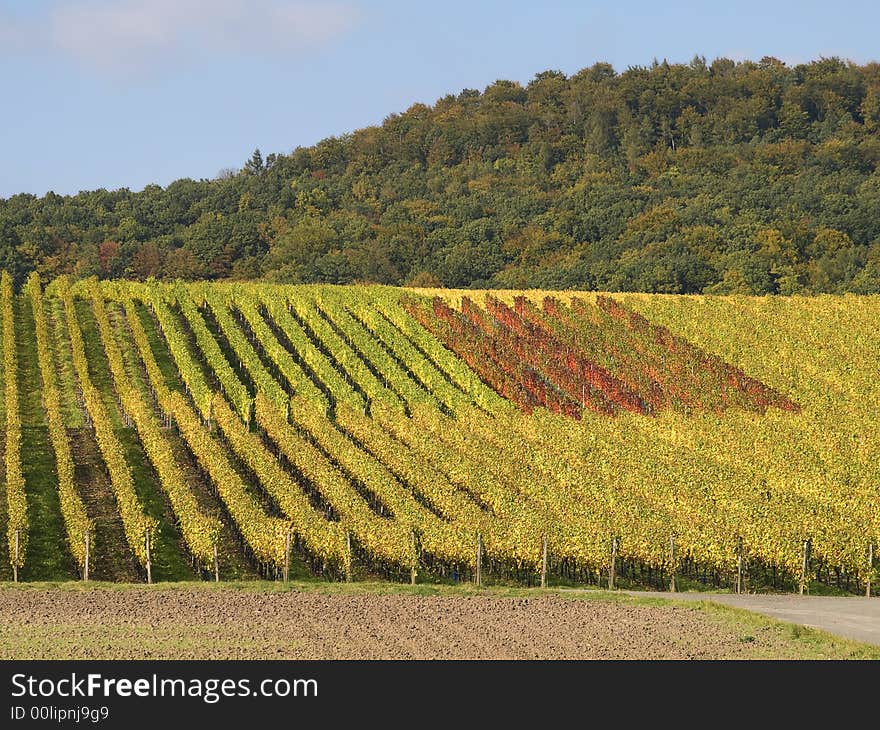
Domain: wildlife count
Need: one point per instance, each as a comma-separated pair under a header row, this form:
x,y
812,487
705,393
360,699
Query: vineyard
x,y
236,431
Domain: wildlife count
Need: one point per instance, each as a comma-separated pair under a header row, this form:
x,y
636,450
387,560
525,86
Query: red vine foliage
x,y
604,358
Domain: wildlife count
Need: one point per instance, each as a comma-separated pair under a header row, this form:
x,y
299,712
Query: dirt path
x,y
111,559
213,624
850,617
48,555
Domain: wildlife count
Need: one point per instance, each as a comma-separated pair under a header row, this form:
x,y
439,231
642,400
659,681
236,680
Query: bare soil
x,y
226,623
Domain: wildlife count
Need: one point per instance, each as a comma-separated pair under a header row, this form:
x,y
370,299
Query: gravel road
x,y
850,617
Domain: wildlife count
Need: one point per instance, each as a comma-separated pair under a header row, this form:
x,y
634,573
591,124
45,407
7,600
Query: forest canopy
x,y
722,177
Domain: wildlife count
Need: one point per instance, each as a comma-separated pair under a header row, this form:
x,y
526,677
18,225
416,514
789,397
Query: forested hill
x,y
721,177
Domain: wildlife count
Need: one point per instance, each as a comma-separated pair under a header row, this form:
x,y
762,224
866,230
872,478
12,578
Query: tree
x,y
146,262
255,164
11,259
424,280
109,259
182,264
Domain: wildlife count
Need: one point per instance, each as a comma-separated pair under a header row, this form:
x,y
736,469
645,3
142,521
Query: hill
x,y
721,177
213,430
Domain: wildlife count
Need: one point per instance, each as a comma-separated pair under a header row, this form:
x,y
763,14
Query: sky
x,y
125,93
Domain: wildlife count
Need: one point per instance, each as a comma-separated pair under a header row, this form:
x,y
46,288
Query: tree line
x,y
723,177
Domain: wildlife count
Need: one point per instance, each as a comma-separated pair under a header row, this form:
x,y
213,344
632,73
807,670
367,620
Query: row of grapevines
x,y
384,538
395,376
264,535
248,360
520,523
142,344
189,369
303,306
200,531
71,410
464,338
339,386
388,301
419,473
290,370
76,521
549,379
571,370
234,389
366,313
439,537
16,500
324,538
136,524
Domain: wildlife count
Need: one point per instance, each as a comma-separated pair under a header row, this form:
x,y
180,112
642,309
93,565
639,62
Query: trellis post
x,y
612,568
149,564
478,578
544,561
15,562
414,568
87,556
805,567
739,564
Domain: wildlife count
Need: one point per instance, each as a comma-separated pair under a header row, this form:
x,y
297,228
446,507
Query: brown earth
x,y
220,624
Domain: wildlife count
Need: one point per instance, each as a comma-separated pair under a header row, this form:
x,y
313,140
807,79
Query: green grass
x,y
61,350
160,351
48,556
5,569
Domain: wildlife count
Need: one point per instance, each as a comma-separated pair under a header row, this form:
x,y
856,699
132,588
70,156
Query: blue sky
x,y
123,93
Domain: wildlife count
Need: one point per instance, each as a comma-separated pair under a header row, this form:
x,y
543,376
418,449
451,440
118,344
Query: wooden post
x,y
478,578
870,569
413,571
348,564
739,564
15,563
86,561
672,563
149,561
216,565
544,562
805,567
287,411
612,569
287,557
